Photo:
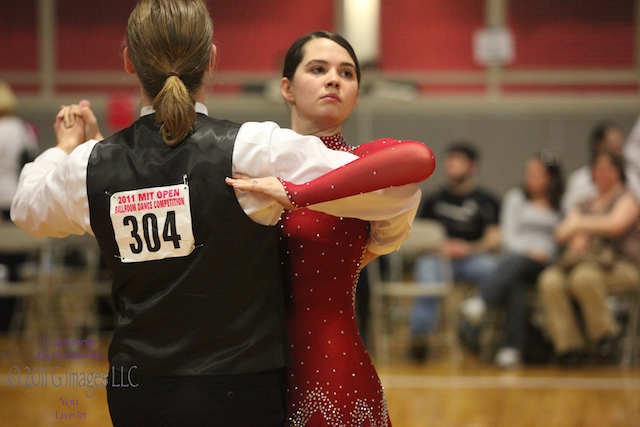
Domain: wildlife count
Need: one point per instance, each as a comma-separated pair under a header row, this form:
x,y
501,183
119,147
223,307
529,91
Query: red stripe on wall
x,y
19,47
573,34
429,35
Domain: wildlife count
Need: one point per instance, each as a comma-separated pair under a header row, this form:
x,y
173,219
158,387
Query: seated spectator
x,y
605,136
469,214
529,216
631,153
18,145
601,255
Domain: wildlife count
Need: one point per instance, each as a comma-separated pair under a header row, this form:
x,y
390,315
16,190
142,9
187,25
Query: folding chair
x,y
390,291
31,288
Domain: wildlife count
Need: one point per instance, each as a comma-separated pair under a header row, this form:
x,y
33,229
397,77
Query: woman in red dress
x,y
331,380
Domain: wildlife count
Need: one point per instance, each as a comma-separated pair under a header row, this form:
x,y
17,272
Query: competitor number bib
x,y
152,223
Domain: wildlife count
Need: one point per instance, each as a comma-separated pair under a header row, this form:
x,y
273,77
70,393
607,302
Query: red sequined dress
x,y
331,380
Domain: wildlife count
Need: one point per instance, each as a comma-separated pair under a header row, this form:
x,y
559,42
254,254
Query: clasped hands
x,y
77,123
74,125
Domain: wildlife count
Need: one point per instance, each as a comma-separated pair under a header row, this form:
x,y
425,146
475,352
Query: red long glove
x,y
382,163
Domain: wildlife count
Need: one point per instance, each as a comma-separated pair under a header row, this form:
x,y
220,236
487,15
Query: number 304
x,y
150,232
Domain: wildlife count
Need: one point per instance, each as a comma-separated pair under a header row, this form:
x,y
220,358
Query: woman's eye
x,y
317,70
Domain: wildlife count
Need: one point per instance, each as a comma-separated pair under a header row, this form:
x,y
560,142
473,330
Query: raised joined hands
x,y
76,124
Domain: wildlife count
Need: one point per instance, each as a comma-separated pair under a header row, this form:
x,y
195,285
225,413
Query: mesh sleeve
x,y
382,163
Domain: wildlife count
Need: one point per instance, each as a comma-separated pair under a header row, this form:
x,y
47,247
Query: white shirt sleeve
x,y
509,220
387,235
391,212
265,149
52,194
52,198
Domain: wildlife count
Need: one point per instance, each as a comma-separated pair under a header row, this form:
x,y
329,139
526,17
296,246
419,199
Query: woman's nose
x,y
332,79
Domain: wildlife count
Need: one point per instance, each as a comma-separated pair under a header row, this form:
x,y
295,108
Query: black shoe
x,y
419,351
469,336
608,350
572,359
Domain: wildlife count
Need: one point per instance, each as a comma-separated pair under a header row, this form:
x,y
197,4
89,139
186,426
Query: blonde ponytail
x,y
175,111
169,44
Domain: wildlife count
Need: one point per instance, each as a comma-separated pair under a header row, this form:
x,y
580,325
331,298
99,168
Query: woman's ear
x,y
285,90
128,65
214,57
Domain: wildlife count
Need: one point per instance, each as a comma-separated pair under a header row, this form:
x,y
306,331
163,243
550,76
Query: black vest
x,y
218,310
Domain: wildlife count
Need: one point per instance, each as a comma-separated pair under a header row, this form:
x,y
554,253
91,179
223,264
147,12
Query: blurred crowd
x,y
555,258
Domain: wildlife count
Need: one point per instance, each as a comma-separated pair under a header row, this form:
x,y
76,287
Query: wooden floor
x,y
471,394
449,391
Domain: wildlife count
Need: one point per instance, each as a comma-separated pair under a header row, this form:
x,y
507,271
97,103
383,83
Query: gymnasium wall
x,y
575,64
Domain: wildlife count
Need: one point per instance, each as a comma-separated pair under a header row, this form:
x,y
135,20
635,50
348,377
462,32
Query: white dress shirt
x,y
51,199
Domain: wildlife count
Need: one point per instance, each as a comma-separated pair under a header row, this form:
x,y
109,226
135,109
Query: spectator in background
x,y
631,152
469,214
529,216
604,136
601,255
18,145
